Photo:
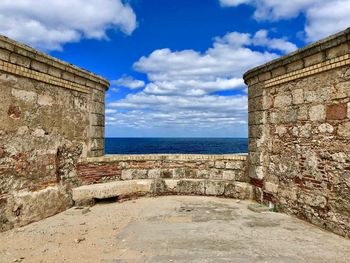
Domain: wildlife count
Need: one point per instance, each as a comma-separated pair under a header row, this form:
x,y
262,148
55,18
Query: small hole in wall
x,y
106,200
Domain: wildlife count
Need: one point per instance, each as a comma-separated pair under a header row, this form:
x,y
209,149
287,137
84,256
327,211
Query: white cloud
x,y
323,17
128,82
48,25
184,86
327,18
233,2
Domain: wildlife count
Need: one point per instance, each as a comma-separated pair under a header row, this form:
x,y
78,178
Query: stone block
x,y
252,81
4,54
97,119
20,60
112,189
220,164
55,72
298,96
344,130
229,175
171,185
98,96
257,117
325,128
264,76
299,64
97,144
27,96
270,187
279,71
314,59
255,104
255,131
191,187
336,111
167,173
129,174
38,66
282,101
215,188
153,173
239,190
45,100
348,106
79,80
236,165
68,76
317,113
255,91
97,132
98,108
25,207
255,157
302,113
338,51
256,172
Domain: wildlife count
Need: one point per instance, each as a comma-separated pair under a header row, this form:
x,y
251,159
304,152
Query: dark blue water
x,y
176,145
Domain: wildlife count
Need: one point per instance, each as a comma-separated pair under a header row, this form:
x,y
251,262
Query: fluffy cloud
x,y
323,17
48,25
128,82
185,87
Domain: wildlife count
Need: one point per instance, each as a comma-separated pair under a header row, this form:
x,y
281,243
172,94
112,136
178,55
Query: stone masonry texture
x,y
299,133
218,175
50,113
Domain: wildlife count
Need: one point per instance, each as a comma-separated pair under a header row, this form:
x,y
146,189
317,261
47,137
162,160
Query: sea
x,y
176,145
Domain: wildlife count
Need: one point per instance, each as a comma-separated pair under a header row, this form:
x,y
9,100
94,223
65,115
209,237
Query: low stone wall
x,y
299,132
51,114
219,175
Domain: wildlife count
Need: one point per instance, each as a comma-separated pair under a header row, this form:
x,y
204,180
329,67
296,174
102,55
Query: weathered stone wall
x,y
51,114
299,132
219,175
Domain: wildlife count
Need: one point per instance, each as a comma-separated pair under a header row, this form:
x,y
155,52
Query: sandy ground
x,y
172,229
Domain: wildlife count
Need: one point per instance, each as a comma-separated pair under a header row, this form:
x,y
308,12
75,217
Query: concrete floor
x,y
172,229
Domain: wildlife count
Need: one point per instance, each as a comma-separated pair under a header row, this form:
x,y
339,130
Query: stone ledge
x,y
222,188
306,56
22,55
309,71
146,157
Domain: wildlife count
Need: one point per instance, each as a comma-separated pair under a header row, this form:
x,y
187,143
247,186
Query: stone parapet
x,y
23,60
127,167
124,157
323,55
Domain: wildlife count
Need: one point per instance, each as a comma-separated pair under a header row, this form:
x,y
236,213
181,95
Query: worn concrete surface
x,y
172,229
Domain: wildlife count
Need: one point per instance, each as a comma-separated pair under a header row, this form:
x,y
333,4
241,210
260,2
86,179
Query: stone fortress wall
x,y
299,132
52,140
51,114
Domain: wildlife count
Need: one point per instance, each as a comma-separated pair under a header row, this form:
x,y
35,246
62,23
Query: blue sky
x,y
175,66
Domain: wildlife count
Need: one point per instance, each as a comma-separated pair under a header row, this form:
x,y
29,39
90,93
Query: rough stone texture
x,y
118,175
45,127
299,156
127,167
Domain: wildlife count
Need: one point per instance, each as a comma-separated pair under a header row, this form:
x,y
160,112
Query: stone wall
x,y
51,114
299,132
219,175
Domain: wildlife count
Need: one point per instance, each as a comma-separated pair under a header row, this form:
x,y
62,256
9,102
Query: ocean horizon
x,y
178,145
